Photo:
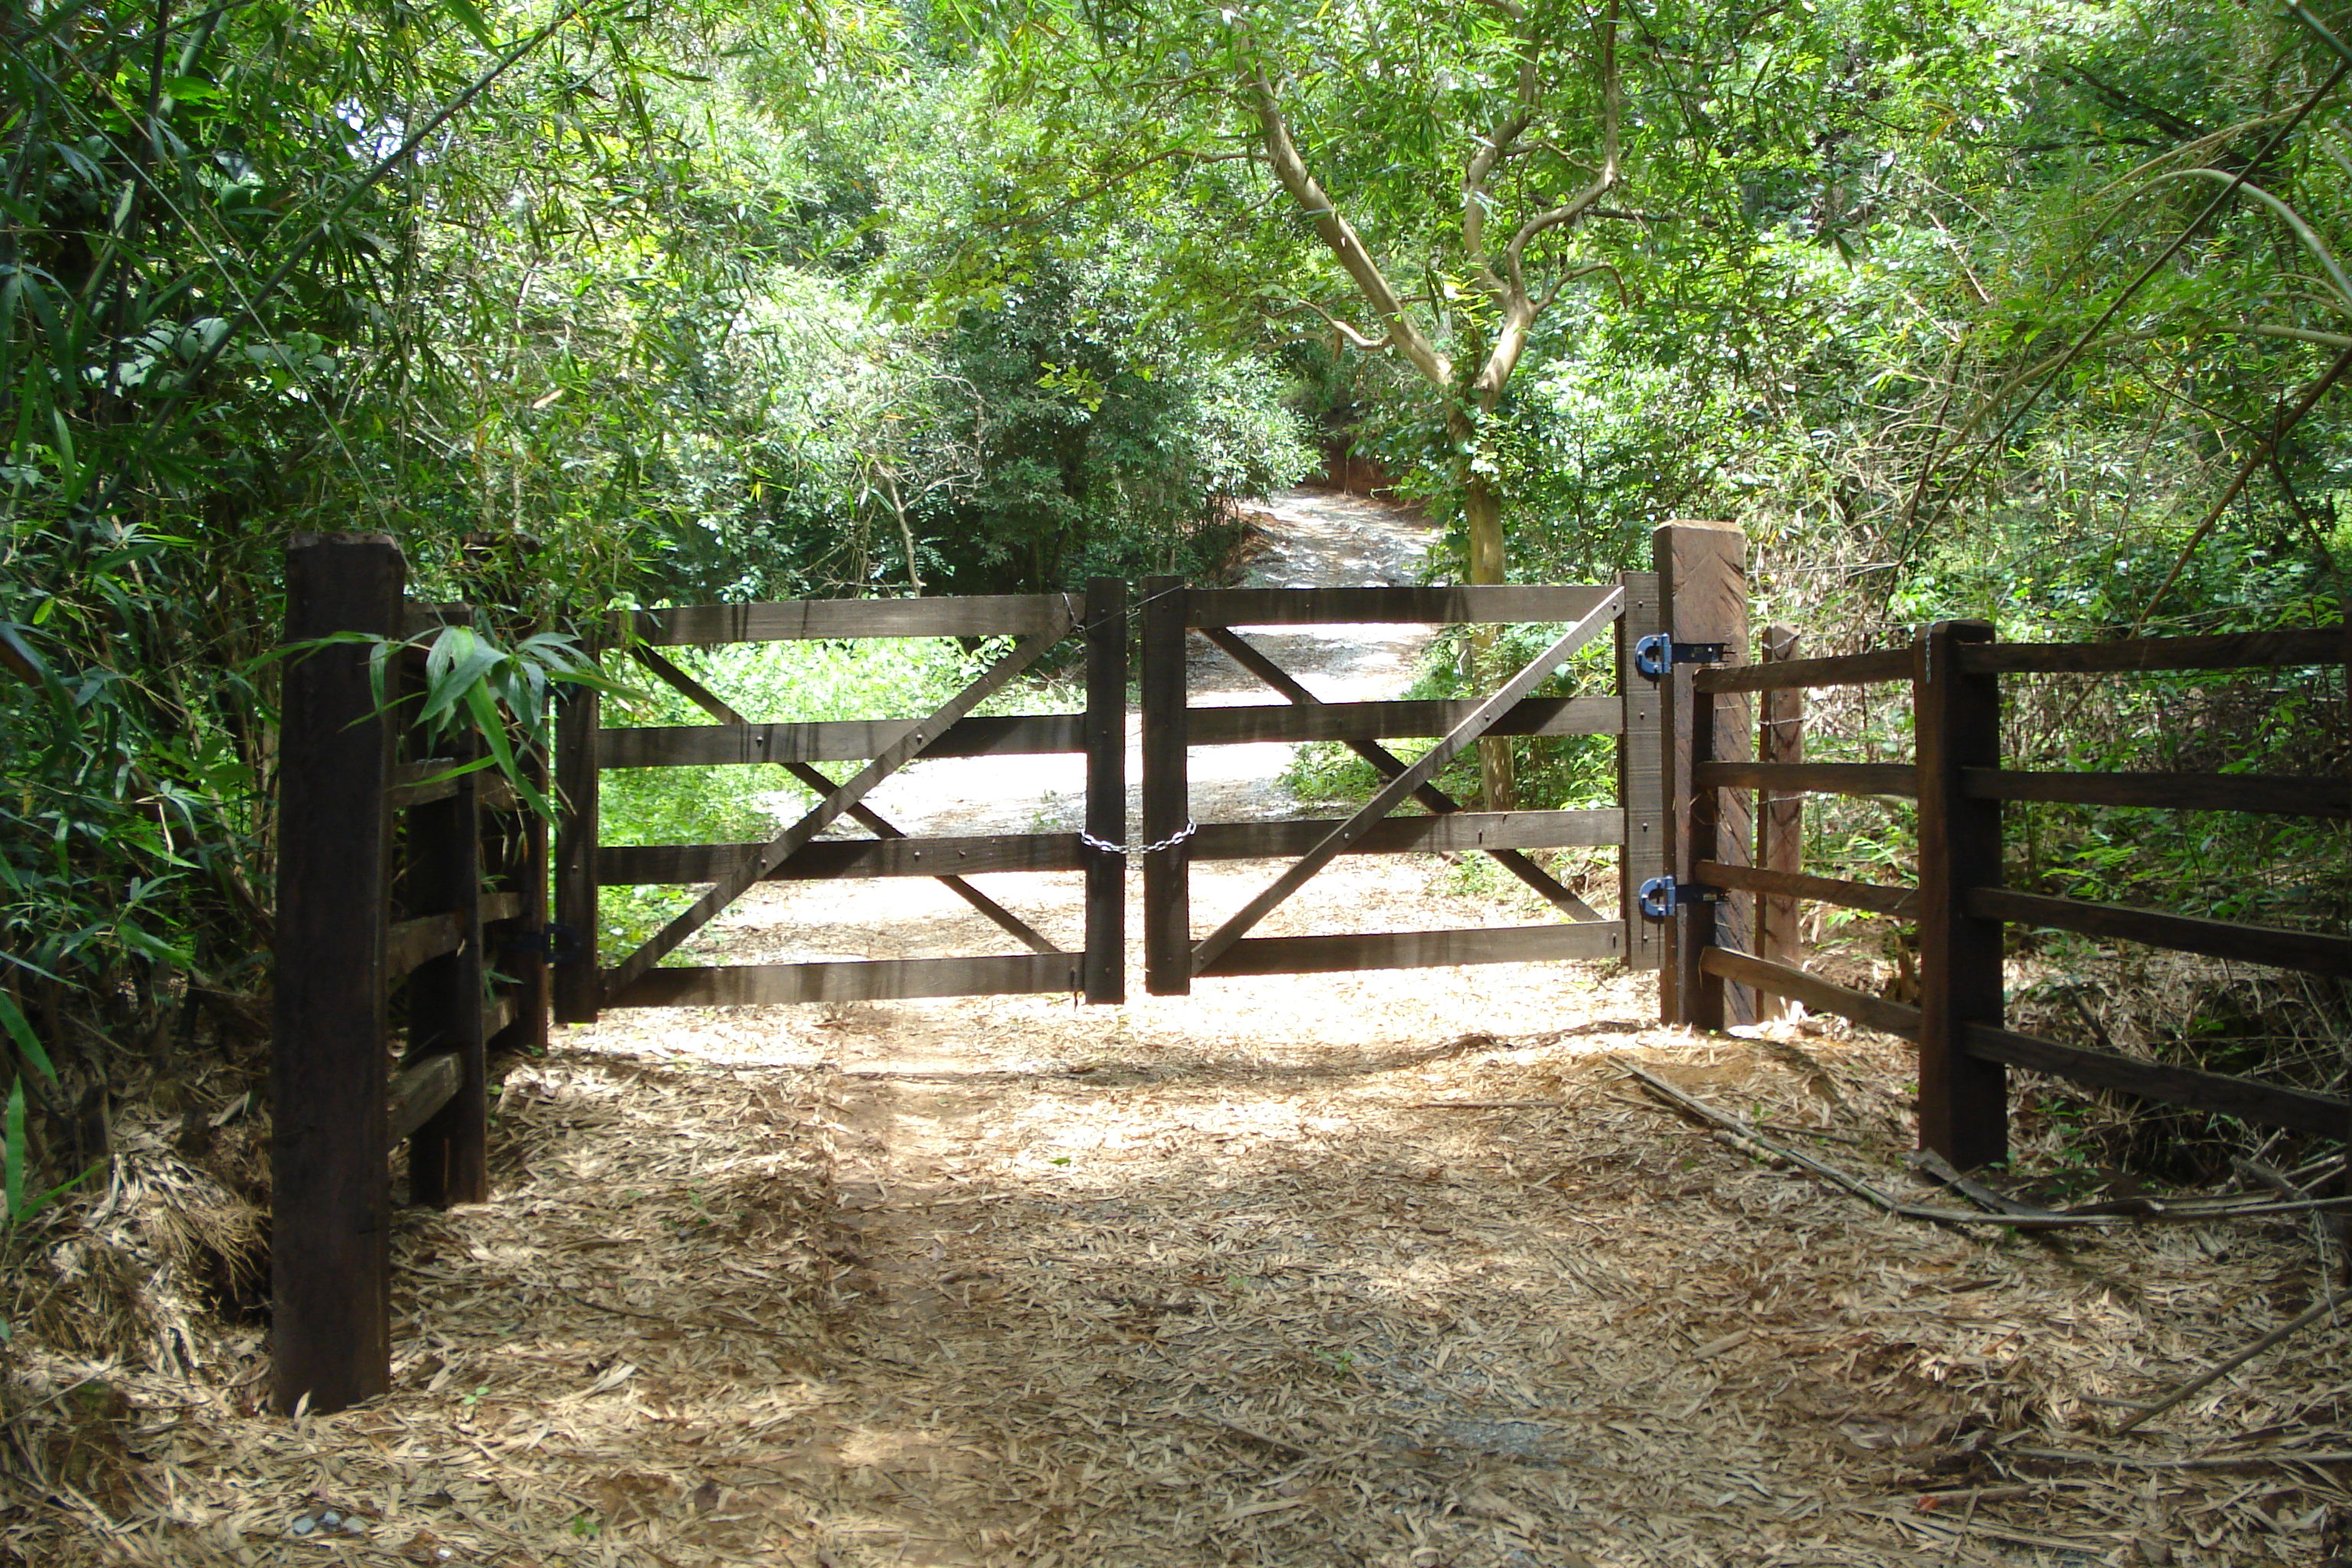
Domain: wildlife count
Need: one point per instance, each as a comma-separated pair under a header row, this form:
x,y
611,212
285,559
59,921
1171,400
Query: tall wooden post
x,y
1963,1101
1167,791
1106,964
1641,772
1703,588
1779,818
331,1321
448,1157
578,979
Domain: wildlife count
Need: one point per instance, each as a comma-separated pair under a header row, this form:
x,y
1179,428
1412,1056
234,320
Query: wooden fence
x,y
410,939
1954,672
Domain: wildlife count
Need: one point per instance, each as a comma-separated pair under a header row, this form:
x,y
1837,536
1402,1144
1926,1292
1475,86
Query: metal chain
x,y
1108,848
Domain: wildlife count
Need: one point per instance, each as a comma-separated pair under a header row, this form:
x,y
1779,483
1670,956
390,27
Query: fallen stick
x,y
1843,1180
2173,1209
2202,1462
2203,1379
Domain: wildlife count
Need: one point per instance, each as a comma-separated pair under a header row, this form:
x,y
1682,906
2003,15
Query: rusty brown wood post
x,y
1167,791
1702,595
578,979
448,1157
1963,1099
1641,772
1106,635
330,1318
1779,818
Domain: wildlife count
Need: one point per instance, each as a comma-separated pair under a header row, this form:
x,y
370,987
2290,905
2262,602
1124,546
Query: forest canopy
x,y
2007,308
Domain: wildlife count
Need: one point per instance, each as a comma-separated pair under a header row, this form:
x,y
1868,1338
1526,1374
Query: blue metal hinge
x,y
1657,654
1662,896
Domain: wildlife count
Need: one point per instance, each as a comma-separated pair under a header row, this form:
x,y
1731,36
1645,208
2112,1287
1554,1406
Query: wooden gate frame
x,y
585,750
1172,728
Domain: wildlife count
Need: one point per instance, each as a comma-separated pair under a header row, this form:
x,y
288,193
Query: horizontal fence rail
x,y
1960,903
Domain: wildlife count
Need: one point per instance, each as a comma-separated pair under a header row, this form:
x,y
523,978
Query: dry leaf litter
x,y
1393,1269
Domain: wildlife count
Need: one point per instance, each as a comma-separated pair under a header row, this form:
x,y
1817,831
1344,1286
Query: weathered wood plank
x,y
1462,832
1779,818
1826,778
1252,725
1105,743
2167,792
331,1323
1167,790
1360,606
1963,1098
1394,792
497,907
830,859
845,740
2274,946
448,1153
2240,650
419,1090
1843,669
1641,772
970,615
827,860
1702,584
877,980
1870,1012
420,784
576,981
2270,1104
412,942
1419,949
1901,903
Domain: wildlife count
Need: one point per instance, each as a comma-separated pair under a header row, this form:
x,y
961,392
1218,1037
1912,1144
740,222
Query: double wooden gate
x,y
1167,615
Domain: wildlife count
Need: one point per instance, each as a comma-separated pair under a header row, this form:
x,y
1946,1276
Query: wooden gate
x,y
1171,727
1037,622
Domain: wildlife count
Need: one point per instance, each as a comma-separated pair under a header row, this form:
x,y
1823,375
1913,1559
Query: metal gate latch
x,y
1656,654
1662,896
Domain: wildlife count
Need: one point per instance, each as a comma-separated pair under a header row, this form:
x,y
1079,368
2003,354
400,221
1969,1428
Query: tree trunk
x,y
1482,514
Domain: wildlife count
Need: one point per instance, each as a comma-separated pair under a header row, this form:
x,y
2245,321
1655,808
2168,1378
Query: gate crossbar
x,y
765,858
1393,794
1388,764
866,816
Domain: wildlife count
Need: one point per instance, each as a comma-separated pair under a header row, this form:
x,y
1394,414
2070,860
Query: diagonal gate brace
x,y
866,816
765,858
1393,794
1388,764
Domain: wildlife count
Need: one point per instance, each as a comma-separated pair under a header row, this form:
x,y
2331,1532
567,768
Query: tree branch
x,y
1340,236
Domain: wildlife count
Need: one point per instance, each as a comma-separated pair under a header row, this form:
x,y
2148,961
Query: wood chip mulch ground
x,y
1288,1273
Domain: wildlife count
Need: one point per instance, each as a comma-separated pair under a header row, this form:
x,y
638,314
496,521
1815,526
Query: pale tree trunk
x,y
1482,516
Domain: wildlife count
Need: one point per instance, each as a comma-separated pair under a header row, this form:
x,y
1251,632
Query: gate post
x,y
578,981
1641,764
331,1292
1703,589
1167,791
1779,818
1963,1100
1106,960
